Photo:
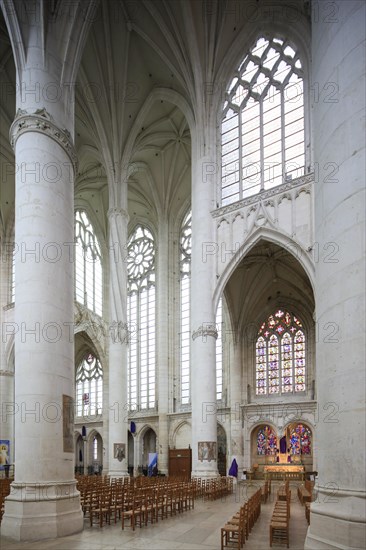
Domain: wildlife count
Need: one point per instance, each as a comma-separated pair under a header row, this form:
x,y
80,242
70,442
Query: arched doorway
x,y
95,464
79,455
148,447
221,450
131,453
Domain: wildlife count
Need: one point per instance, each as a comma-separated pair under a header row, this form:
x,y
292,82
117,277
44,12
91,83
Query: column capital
x,y
42,121
208,329
117,211
6,373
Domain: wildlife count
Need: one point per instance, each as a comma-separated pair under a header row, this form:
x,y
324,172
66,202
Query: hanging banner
x,y
152,469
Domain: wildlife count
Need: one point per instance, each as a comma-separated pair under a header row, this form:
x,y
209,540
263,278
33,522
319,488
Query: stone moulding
x,y
41,121
302,182
206,330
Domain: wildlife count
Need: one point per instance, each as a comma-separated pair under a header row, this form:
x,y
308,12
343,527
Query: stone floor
x,y
197,529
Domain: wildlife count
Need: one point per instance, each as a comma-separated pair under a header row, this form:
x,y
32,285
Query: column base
x,y
42,511
205,474
337,523
118,473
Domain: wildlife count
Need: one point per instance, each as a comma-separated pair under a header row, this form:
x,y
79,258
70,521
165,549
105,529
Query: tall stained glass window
x,y
300,440
266,441
89,387
185,287
280,355
262,131
141,318
88,265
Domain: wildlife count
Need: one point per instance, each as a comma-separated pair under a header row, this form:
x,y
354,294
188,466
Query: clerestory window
x,y
262,131
141,318
88,265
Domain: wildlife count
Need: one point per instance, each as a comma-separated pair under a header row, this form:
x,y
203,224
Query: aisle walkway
x,y
197,529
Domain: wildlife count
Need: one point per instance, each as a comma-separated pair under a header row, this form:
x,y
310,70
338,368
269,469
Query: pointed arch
x,y
266,234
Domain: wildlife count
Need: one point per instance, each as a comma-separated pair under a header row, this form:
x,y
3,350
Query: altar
x,y
284,468
284,472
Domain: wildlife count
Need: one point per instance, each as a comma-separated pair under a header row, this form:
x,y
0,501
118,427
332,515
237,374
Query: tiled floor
x,y
197,529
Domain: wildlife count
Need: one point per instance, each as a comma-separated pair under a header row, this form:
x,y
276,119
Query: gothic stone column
x,y
203,326
118,342
162,345
337,518
44,501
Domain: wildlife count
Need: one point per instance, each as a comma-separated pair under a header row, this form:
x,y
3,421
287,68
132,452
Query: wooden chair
x,y
279,531
161,508
100,508
234,534
134,513
235,520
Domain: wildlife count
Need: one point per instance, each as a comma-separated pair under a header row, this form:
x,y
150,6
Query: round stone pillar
x,y
337,518
203,323
44,502
118,342
235,434
162,345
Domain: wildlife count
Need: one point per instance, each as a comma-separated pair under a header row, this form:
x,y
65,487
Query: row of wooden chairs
x,y
280,520
152,505
266,491
236,531
139,502
213,489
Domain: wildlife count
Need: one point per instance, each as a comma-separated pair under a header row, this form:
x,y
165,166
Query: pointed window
x,y
280,355
185,294
89,387
141,318
262,131
88,265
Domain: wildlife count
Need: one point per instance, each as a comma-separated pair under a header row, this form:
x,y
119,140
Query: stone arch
x,y
95,463
265,234
85,331
148,444
306,460
257,459
182,435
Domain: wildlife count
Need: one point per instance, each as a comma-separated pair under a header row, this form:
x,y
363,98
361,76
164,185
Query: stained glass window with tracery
x,y
266,441
300,440
280,355
262,132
